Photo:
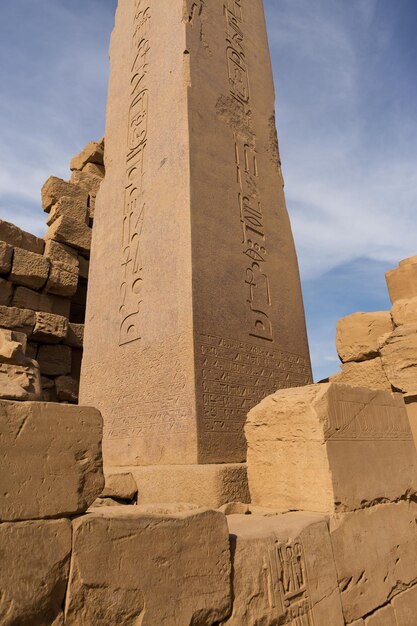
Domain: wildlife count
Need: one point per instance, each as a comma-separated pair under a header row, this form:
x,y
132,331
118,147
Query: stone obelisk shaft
x,y
194,309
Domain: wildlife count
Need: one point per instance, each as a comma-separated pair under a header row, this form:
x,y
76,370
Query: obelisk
x,y
194,310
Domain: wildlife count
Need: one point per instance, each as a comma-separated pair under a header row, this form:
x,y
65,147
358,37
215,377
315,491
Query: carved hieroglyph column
x,y
194,309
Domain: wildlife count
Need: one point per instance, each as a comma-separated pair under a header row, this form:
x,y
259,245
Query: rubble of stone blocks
x,y
43,288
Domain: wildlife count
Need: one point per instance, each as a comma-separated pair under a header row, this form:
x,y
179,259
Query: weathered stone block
x,y
88,180
399,358
75,335
22,320
20,381
405,607
24,298
375,555
12,346
29,269
51,460
92,153
73,208
67,389
6,255
35,558
18,238
56,188
363,374
404,312
183,577
54,360
402,282
59,254
283,571
61,281
6,292
49,328
203,485
71,232
357,335
84,268
121,486
329,448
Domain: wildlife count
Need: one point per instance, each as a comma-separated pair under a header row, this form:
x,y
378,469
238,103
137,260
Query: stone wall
x,y
43,288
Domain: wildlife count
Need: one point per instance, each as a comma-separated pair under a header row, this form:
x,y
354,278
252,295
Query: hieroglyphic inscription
x,y
254,244
287,583
134,206
237,375
355,421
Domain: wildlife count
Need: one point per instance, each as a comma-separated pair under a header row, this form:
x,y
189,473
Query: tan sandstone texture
x,y
208,485
150,569
283,571
50,455
330,448
357,335
35,558
399,358
369,374
375,553
404,312
402,281
203,296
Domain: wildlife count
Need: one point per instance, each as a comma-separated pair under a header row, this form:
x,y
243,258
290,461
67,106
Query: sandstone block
x,y
73,208
88,180
12,346
6,255
67,389
329,448
183,578
92,153
59,254
411,406
35,559
61,282
283,571
384,617
18,319
61,445
20,381
84,268
404,312
49,328
399,358
363,374
75,335
32,350
56,188
121,486
6,292
402,282
204,485
24,298
375,555
54,360
405,607
71,232
357,335
18,238
29,269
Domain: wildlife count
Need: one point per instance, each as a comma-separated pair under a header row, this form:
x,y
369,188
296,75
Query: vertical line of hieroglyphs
x,y
134,207
250,206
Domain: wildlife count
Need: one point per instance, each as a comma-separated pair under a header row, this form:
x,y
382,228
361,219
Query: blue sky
x,y
345,74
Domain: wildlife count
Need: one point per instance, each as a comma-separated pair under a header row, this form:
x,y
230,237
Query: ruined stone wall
x,y
43,288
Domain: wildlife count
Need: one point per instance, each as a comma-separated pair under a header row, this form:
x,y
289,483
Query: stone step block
x,y
49,328
24,298
55,188
6,292
92,153
67,389
357,335
21,320
29,269
35,559
18,238
404,312
54,360
119,485
402,282
71,232
399,358
130,567
330,448
61,281
50,458
75,335
283,571
375,554
6,255
73,208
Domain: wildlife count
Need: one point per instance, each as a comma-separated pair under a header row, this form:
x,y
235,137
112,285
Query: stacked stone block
x,y
43,285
